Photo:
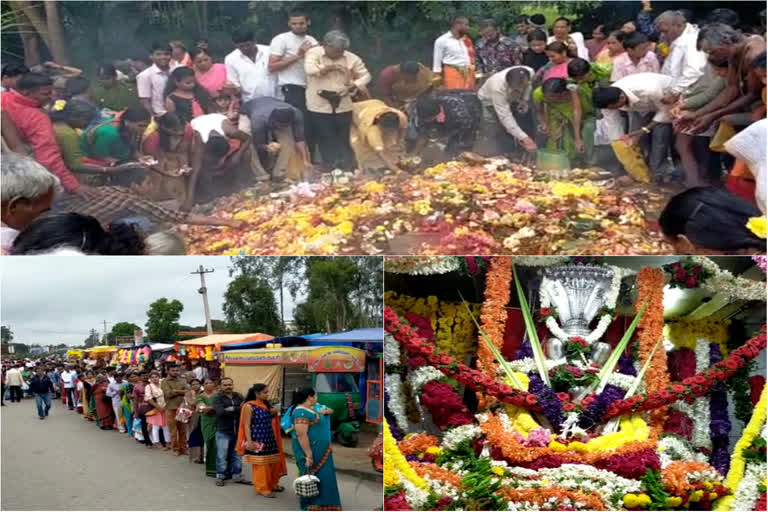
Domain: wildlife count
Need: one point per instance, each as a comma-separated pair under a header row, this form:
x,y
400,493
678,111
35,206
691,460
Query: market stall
x,y
498,207
333,371
206,349
575,383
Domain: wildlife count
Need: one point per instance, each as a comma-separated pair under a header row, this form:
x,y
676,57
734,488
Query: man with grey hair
x,y
685,63
334,77
28,190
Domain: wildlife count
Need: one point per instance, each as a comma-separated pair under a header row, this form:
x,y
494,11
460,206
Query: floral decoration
x,y
687,273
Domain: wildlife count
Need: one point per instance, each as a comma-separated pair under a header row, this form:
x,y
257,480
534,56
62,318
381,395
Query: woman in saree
x,y
126,401
208,425
154,396
312,450
89,404
103,403
560,114
259,441
194,434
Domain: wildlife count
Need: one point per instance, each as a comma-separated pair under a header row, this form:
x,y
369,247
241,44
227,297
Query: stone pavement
x,y
66,463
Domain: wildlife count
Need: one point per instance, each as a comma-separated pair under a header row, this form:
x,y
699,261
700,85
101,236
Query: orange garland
x,y
493,316
541,496
416,444
516,452
675,475
435,472
650,284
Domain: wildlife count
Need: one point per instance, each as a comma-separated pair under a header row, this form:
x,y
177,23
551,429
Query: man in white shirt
x,y
504,90
248,67
643,92
68,378
451,57
200,372
150,83
685,63
286,58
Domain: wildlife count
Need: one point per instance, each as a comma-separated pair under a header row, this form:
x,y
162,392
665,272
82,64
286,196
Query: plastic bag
x,y
631,157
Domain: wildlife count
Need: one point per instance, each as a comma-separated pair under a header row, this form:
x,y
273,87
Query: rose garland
x,y
698,385
606,315
493,315
738,463
475,380
421,265
650,284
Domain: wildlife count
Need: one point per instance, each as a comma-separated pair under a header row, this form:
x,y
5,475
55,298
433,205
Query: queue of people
x,y
660,87
190,414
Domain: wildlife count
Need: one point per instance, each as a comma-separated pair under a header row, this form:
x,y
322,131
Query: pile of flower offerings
x,y
452,208
646,428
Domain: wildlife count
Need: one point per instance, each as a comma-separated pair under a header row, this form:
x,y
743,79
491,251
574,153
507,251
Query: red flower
x,y
591,370
691,282
445,360
688,381
563,397
569,407
434,359
666,395
677,388
680,274
733,364
545,311
530,400
588,400
699,379
427,350
518,400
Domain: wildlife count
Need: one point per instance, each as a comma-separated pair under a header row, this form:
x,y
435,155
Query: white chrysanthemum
x,y
391,351
455,436
701,413
746,493
422,375
394,386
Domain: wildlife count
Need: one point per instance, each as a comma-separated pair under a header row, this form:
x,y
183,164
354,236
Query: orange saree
x,y
268,460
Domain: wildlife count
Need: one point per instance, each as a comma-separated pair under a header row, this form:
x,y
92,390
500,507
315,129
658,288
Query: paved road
x,y
66,463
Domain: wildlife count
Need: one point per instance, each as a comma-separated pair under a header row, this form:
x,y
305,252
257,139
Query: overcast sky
x,y
48,301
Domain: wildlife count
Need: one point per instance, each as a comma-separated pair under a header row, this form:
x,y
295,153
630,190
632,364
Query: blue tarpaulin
x,y
368,335
287,341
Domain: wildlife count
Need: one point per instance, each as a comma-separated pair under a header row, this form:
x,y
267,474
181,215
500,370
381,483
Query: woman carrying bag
x,y
312,448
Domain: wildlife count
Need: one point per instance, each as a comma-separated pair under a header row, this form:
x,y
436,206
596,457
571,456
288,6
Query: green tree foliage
x,y
93,339
163,320
342,293
250,306
6,335
120,329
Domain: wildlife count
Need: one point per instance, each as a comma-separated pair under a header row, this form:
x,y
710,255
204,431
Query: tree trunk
x,y
29,39
30,12
58,45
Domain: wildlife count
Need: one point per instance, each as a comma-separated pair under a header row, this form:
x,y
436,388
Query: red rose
x,y
592,370
434,359
691,282
505,389
530,400
427,350
518,400
445,360
569,407
546,311
563,397
666,395
698,389
733,364
698,379
677,388
680,274
688,381
697,270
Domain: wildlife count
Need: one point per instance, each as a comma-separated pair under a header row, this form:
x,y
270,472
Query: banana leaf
x,y
530,327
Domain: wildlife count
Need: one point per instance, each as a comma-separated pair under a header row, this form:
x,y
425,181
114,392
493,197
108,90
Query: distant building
x,y
37,350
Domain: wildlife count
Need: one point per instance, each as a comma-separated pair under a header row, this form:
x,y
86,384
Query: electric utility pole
x,y
105,331
204,292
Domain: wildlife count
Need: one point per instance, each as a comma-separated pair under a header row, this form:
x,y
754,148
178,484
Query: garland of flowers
x,y
553,498
687,273
673,448
473,265
393,385
734,287
540,261
684,333
473,379
650,284
761,262
719,425
738,463
421,265
606,314
701,433
692,387
401,472
414,444
679,477
444,405
493,316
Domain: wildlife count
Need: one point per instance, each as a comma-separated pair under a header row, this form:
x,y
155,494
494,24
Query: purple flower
x,y
761,262
593,414
547,399
719,424
524,351
625,365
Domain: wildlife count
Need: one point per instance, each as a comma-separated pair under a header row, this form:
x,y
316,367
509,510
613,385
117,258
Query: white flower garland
x,y
391,351
527,365
734,287
455,436
417,498
701,414
421,265
605,320
394,386
673,448
422,375
746,493
442,488
539,261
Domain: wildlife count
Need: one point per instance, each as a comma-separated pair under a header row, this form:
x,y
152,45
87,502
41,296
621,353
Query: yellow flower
x,y
563,189
696,496
631,501
708,486
373,187
433,450
643,499
558,447
422,207
346,227
674,501
712,496
757,225
497,470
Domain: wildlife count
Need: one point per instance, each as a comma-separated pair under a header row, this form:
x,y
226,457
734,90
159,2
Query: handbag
x,y
308,486
183,415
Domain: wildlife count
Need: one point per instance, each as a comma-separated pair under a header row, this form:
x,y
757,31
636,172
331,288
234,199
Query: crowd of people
x,y
669,98
189,413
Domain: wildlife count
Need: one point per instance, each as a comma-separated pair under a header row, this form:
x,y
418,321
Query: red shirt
x,y
387,78
36,129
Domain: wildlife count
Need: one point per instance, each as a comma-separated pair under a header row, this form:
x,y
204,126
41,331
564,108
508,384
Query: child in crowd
x,y
184,96
535,56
